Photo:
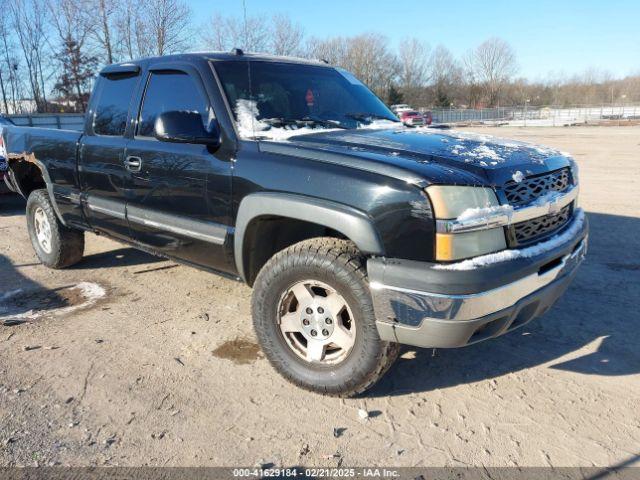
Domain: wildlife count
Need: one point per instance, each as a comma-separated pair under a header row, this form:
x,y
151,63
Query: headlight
x,y
449,203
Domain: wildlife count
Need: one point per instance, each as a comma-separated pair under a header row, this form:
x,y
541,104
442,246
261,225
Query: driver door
x,y
180,192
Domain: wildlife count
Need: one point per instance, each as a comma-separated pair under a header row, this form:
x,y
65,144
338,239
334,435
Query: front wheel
x,y
313,315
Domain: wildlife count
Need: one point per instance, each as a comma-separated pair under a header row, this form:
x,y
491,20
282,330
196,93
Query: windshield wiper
x,y
304,122
369,116
326,123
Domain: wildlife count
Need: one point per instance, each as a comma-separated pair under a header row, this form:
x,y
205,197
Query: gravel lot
x,y
163,369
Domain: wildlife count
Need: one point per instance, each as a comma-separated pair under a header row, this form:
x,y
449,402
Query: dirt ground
x,y
133,360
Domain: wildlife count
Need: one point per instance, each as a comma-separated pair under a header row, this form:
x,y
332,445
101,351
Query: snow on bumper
x,y
418,304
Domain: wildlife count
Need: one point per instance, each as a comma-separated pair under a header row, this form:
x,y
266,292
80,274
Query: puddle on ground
x,y
35,303
239,351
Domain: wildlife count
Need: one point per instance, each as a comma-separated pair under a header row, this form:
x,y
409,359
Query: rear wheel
x,y
313,316
55,245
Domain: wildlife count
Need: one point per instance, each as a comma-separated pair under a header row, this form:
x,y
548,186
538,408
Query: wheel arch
x,y
26,174
291,209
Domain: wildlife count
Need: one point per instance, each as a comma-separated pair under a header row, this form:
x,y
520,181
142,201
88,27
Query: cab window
x,y
114,96
167,92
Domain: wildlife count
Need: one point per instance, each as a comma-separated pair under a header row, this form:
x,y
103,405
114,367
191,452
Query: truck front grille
x,y
531,188
537,228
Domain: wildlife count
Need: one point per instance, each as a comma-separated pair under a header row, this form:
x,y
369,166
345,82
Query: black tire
x,y
67,245
340,265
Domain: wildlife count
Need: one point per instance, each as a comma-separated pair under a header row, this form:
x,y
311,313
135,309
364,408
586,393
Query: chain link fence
x,y
542,116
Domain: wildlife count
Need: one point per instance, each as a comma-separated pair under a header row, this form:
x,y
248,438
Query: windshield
x,y
282,99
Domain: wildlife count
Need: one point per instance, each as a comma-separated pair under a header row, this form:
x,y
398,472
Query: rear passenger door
x,y
180,198
103,178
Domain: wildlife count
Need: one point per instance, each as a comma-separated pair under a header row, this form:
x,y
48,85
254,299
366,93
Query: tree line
x,y
52,49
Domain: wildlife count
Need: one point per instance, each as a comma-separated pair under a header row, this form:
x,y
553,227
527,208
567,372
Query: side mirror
x,y
185,127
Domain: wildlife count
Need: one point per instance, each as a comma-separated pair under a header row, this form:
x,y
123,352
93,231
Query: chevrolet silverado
x,y
356,233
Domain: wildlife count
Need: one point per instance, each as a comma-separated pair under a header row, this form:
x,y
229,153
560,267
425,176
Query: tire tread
x,y
67,244
332,252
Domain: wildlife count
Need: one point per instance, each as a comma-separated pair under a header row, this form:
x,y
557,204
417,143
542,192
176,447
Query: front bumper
x,y
418,304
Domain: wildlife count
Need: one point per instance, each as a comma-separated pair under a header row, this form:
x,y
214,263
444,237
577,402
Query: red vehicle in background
x,y
413,118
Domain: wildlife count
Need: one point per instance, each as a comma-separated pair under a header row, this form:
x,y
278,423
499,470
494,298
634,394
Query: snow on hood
x,y
423,144
487,150
249,126
528,252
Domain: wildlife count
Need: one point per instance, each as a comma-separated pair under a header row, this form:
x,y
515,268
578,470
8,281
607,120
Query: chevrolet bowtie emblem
x,y
554,207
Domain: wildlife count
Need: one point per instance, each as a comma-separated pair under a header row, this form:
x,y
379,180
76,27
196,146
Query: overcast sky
x,y
548,35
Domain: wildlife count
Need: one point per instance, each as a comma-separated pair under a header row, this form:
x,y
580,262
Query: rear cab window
x,y
112,108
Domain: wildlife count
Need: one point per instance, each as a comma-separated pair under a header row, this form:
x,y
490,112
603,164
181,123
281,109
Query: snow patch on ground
x,y
507,255
90,292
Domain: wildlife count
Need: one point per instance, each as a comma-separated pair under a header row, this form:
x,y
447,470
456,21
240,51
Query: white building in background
x,y
23,106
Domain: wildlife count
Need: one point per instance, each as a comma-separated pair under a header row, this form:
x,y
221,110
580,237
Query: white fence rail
x,y
60,121
543,116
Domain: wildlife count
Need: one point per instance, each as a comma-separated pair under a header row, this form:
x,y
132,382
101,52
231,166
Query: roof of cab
x,y
134,65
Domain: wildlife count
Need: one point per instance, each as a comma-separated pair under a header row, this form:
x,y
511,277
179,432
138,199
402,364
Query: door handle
x,y
133,164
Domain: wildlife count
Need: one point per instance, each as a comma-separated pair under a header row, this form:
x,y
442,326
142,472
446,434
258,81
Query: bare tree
x,y
368,56
126,19
413,71
445,75
7,72
286,36
332,50
103,29
74,24
71,19
165,26
29,21
224,33
413,57
493,64
371,60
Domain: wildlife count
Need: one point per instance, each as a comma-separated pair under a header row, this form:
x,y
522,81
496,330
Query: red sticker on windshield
x,y
309,97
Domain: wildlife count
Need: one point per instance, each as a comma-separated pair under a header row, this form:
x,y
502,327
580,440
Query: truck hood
x,y
434,156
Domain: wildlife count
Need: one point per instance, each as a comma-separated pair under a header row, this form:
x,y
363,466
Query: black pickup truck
x,y
357,233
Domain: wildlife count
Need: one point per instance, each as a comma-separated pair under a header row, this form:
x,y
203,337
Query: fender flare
x,y
351,222
30,158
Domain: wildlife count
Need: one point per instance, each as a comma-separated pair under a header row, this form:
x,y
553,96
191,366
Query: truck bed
x,y
54,149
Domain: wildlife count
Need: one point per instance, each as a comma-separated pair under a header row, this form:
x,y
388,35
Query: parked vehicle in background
x,y
412,118
355,233
399,108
